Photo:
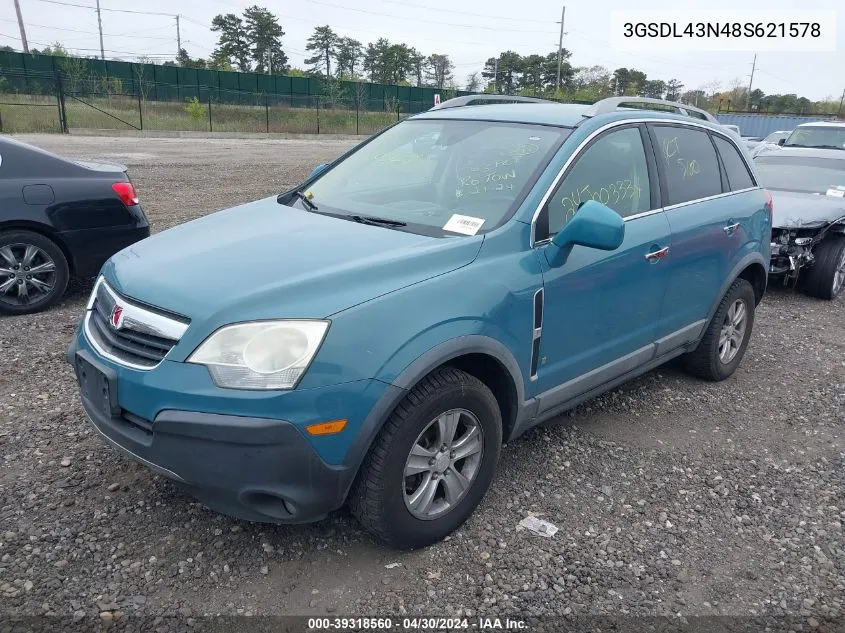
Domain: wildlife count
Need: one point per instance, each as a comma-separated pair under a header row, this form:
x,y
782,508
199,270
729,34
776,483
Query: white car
x,y
773,140
818,134
733,129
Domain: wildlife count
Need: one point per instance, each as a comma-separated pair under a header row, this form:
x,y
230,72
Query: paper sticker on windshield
x,y
836,193
465,224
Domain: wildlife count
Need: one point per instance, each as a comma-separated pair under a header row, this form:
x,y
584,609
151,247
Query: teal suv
x,y
373,336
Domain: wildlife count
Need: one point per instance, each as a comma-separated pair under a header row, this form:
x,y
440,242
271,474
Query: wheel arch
x,y
753,269
755,274
45,231
481,356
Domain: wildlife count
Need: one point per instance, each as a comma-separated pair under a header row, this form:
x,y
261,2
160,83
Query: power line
x,y
381,33
766,72
403,17
88,6
475,15
110,50
192,20
58,28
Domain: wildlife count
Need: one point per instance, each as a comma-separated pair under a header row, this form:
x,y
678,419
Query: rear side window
x,y
689,162
737,170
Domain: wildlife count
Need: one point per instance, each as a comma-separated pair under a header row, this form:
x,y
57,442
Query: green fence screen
x,y
32,74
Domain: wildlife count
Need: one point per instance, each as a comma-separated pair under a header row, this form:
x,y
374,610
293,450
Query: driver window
x,y
613,170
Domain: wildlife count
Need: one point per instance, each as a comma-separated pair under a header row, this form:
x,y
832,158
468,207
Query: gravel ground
x,y
671,495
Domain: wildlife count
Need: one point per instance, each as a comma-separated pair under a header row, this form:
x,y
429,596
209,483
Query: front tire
x,y
826,278
34,272
432,463
726,338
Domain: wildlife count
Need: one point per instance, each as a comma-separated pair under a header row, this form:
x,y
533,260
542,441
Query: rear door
x,y
711,200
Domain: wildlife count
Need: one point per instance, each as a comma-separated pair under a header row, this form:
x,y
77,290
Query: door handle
x,y
656,256
730,228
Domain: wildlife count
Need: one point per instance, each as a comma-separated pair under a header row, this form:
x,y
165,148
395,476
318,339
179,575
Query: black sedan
x,y
59,219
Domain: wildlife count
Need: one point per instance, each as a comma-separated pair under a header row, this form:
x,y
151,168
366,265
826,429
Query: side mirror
x,y
595,226
781,141
318,170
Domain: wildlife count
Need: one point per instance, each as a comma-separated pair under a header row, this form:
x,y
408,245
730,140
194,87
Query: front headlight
x,y
261,354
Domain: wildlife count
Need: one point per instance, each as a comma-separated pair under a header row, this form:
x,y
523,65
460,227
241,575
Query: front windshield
x,y
822,176
439,177
774,137
818,136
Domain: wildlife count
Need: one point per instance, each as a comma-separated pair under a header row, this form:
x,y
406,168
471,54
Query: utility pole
x,y
560,49
178,38
748,96
100,25
21,27
496,77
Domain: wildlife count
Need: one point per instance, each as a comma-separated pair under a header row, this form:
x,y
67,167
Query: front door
x,y
600,309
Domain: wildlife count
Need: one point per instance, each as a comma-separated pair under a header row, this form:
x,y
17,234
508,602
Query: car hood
x,y
804,210
265,260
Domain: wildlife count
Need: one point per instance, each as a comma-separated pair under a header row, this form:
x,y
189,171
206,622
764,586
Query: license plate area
x,y
97,387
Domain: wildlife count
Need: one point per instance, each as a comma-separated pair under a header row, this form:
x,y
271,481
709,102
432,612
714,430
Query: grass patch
x,y
32,113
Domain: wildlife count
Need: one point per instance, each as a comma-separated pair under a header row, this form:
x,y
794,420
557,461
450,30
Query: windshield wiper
x,y
814,146
363,219
305,200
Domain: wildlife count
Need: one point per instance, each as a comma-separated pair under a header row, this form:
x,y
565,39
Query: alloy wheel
x,y
443,463
733,331
27,274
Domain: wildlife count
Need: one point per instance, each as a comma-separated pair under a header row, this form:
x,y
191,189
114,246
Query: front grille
x,y
145,337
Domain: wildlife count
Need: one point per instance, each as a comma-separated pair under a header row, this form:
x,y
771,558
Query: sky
x,y
469,32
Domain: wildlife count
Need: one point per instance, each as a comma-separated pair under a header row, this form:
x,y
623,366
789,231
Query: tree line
x,y
252,42
536,76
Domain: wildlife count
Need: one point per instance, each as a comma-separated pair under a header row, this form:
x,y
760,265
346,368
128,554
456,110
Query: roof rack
x,y
612,103
468,100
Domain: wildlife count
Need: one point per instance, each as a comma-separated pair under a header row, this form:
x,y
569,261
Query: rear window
x,y
735,167
829,137
689,162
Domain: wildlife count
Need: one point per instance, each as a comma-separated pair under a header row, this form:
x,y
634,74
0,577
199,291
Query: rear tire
x,y
390,502
826,278
726,338
34,272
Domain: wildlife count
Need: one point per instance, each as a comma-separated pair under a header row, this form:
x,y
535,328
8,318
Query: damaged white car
x,y
808,226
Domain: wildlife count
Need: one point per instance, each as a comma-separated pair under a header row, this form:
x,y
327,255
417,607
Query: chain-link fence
x,y
40,109
56,103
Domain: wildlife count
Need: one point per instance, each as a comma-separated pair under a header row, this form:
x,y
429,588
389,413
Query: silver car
x,y
808,224
772,140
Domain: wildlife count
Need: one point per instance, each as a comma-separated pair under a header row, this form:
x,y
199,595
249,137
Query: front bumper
x,y
252,468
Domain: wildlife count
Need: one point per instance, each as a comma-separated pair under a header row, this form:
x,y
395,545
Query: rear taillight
x,y
126,192
770,205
